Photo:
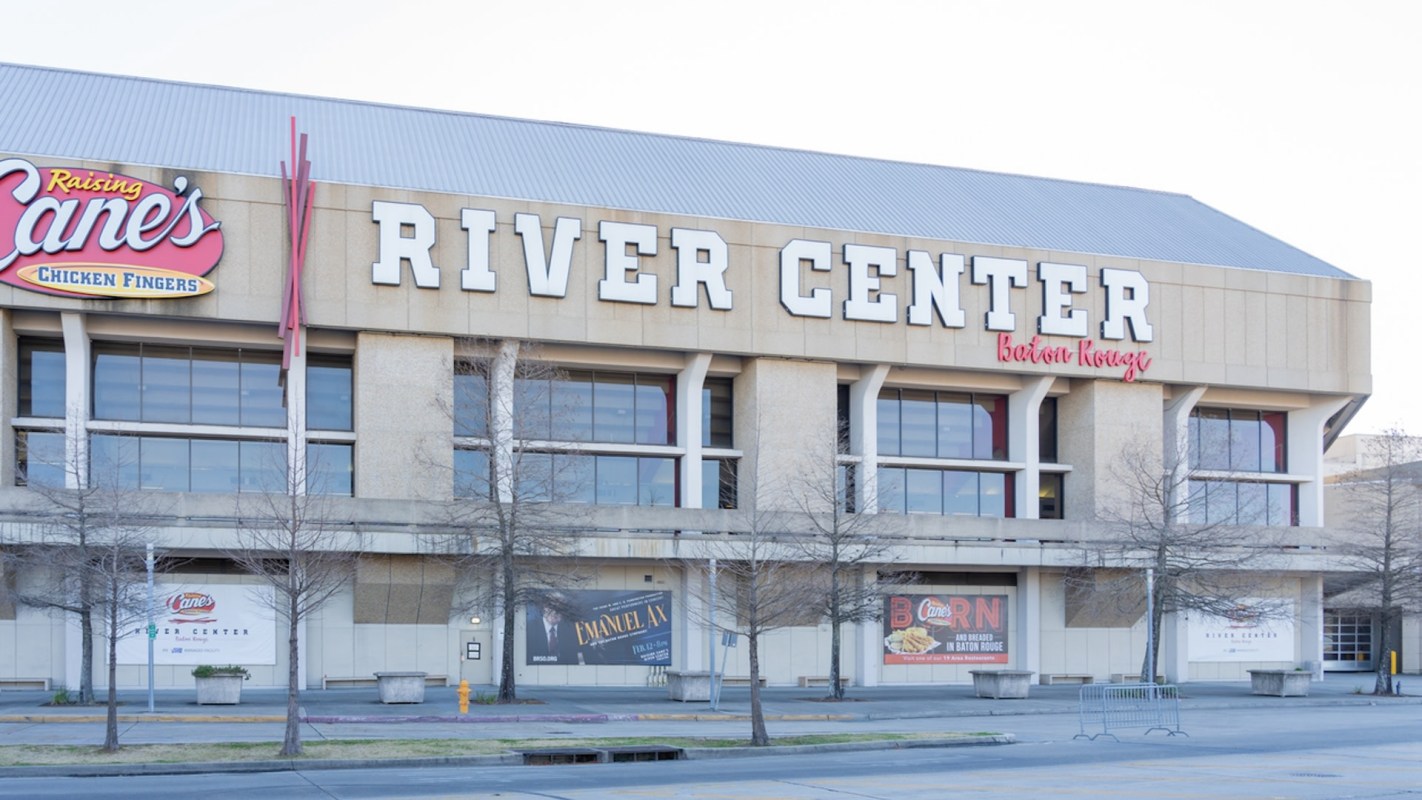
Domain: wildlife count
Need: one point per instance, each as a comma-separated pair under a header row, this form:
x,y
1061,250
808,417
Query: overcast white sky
x,y
1302,118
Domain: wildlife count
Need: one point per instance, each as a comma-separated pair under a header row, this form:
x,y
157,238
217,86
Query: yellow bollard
x,y
1393,654
464,697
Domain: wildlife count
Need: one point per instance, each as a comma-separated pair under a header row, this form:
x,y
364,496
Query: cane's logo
x,y
86,233
191,607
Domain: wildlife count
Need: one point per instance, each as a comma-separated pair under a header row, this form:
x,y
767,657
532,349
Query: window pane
x,y
716,413
989,427
40,459
1211,439
842,417
113,461
656,485
994,495
960,492
617,480
614,401
1049,496
471,405
116,383
1244,437
261,391
1281,504
167,384
655,423
471,474
216,389
917,424
710,483
923,490
574,479
41,379
572,419
955,425
888,432
728,483
531,409
1221,503
1047,431
328,394
329,469
215,466
844,488
263,467
1271,441
532,477
1253,503
163,464
891,490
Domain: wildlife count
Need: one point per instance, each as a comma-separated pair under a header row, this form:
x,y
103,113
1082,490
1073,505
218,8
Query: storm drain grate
x,y
610,755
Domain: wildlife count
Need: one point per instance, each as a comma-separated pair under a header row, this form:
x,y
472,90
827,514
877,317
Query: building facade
x,y
991,346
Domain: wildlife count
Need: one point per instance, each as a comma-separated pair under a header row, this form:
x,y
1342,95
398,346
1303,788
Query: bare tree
x,y
87,556
510,539
849,546
1188,564
285,538
1384,541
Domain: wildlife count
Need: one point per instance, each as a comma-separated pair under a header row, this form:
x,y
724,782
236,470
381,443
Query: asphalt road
x,y
1372,752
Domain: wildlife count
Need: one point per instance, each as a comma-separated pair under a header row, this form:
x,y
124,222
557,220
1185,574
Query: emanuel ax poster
x,y
600,627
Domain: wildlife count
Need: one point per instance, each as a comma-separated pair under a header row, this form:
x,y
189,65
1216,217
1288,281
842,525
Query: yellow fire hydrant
x,y
464,697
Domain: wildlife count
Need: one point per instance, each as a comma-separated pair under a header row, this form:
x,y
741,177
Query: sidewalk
x,y
594,704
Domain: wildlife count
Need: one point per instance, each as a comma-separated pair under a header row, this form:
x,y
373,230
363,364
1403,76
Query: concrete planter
x,y
689,687
401,687
1280,682
1001,684
217,690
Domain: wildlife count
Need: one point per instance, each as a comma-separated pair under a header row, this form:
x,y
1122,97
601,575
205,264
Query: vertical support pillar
x,y
501,418
864,435
1306,455
296,422
1175,447
1174,662
76,400
1029,619
688,423
1310,625
1023,445
871,652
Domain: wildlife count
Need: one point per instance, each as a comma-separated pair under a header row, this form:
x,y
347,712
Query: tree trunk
x,y
836,689
507,691
759,736
1382,661
86,653
111,741
291,742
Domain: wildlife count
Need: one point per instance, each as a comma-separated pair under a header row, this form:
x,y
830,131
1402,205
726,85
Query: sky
x,y
1301,118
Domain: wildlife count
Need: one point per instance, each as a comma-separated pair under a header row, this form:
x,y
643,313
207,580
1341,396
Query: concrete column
x,y
1029,619
1310,628
1174,661
689,383
76,400
864,435
1096,423
405,446
1175,446
296,421
1306,455
1023,445
9,405
870,651
785,415
501,418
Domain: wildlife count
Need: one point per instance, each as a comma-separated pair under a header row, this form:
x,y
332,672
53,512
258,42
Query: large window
x,y
1226,440
564,419
958,425
186,419
909,490
1226,502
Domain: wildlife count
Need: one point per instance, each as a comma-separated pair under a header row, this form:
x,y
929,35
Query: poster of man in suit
x,y
599,627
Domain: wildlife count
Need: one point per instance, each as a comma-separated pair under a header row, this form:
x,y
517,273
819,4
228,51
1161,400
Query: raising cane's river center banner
x,y
207,624
945,629
86,233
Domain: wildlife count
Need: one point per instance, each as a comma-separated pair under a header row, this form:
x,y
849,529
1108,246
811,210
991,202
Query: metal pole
x,y
151,632
711,632
1149,677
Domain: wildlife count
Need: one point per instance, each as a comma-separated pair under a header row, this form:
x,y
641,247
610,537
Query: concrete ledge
x,y
401,687
1280,682
1001,684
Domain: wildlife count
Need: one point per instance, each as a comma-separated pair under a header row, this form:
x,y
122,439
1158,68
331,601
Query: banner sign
x,y
1246,636
600,627
82,233
945,629
213,624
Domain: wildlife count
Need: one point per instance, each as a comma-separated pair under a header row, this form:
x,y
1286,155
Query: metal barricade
x,y
1129,705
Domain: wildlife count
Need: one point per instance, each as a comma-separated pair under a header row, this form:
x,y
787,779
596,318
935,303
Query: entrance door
x,y
1347,642
475,664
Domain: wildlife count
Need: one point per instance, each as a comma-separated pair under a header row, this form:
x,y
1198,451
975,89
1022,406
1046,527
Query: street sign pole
x,y
152,629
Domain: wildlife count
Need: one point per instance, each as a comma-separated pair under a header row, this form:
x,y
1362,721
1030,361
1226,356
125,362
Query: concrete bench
x,y
1049,679
807,681
24,683
364,681
1123,677
740,680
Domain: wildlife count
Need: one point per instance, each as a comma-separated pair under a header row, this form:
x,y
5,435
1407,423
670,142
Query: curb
x,y
498,760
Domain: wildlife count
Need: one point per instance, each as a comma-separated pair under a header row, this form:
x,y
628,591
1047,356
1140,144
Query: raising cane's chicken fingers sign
x,y
87,233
